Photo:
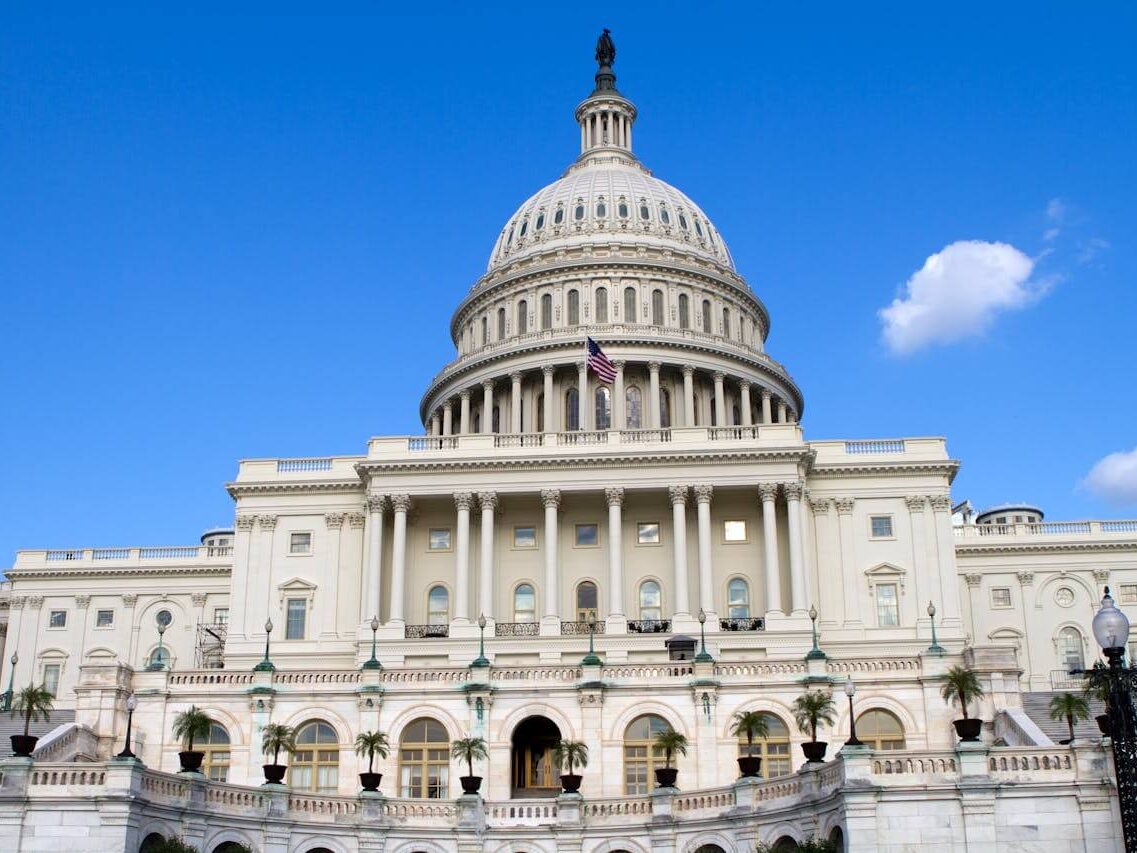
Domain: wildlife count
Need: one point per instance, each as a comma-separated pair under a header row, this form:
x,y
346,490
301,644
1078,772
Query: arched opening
x,y
496,419
215,765
837,839
880,730
574,307
315,765
651,601
738,599
707,316
785,844
438,606
601,305
629,305
633,407
641,755
153,841
532,769
547,311
541,412
603,408
522,317
424,760
774,749
684,311
657,307
1071,654
500,324
709,848
572,410
235,847
586,601
524,603
664,408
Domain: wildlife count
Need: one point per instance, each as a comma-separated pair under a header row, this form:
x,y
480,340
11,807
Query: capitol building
x,y
592,547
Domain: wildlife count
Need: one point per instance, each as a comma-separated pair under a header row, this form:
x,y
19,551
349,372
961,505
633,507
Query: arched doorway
x,y
837,839
153,841
532,769
230,847
709,848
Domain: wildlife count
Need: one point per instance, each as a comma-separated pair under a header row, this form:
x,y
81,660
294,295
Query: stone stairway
x,y
1037,707
10,726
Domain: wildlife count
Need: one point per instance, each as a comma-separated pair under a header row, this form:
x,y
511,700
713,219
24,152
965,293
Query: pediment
x,y
1005,634
885,570
297,585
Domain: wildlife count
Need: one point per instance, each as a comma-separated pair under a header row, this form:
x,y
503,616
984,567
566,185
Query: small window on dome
x,y
710,237
559,216
698,228
540,222
524,228
509,239
601,209
578,214
682,221
645,212
664,216
622,210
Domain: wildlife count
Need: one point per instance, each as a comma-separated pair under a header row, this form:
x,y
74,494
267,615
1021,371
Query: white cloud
x,y
1091,249
1055,216
1114,478
957,294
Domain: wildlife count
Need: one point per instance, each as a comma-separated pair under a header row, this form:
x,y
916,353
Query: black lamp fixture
x,y
374,662
702,656
815,653
8,695
851,691
131,704
157,663
935,648
481,661
591,659
266,665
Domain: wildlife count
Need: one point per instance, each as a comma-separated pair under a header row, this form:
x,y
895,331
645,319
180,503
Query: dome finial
x,y
605,56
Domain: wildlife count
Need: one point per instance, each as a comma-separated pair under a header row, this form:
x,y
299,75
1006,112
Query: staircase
x,y
1037,707
10,726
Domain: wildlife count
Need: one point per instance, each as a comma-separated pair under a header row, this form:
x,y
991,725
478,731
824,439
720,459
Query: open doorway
x,y
532,769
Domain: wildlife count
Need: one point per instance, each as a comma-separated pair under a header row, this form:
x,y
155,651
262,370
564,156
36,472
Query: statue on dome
x,y
605,49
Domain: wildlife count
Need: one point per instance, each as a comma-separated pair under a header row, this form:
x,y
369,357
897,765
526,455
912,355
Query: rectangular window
x,y
220,615
104,618
439,539
300,543
887,606
525,537
647,533
57,619
587,536
734,531
297,609
881,526
51,678
1000,596
1128,593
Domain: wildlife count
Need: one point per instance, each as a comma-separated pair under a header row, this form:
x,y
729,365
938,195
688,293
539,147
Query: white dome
x,y
610,196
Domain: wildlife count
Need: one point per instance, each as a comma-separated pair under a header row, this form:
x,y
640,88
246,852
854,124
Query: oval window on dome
x,y
524,228
540,223
664,216
645,212
601,209
698,228
578,214
622,210
509,239
559,216
682,221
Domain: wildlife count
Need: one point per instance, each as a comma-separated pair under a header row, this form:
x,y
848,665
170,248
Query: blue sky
x,y
227,237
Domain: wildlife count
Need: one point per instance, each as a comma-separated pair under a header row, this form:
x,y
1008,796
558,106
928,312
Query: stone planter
x,y
24,745
570,783
191,761
470,784
749,766
665,776
1103,724
815,751
968,730
370,781
274,773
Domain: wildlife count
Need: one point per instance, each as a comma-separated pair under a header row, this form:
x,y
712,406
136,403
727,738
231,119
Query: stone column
x,y
678,496
488,501
435,424
781,412
797,564
768,492
848,562
370,603
239,584
334,522
720,401
653,384
551,498
462,501
615,498
688,396
515,403
464,416
944,572
828,559
448,418
547,412
582,393
620,403
767,417
487,406
706,589
922,589
401,505
267,524
744,391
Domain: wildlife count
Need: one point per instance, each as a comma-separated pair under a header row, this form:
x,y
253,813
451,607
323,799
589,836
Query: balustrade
x,y
857,448
649,626
291,466
574,628
742,624
517,629
423,632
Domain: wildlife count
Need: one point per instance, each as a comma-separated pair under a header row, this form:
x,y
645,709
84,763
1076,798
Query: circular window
x,y
1064,596
164,618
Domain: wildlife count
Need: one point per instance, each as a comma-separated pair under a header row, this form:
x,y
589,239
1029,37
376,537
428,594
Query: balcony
x,y
748,624
111,558
649,626
426,632
569,629
516,629
1043,533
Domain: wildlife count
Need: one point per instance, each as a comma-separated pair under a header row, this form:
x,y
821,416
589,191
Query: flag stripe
x,y
599,363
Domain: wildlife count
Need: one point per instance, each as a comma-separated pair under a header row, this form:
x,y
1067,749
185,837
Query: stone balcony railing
x,y
1117,528
116,558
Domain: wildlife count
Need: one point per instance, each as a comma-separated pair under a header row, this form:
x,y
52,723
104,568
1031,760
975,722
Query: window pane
x,y
525,537
440,539
586,596
438,606
629,305
57,619
887,605
603,408
573,307
524,604
294,628
300,543
601,305
882,525
657,307
587,535
104,619
51,678
634,410
647,533
572,409
734,531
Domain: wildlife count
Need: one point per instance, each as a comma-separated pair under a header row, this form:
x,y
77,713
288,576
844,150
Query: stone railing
x,y
785,670
299,466
521,813
714,799
616,810
426,632
915,763
103,558
67,775
210,677
316,677
873,448
649,672
1124,528
441,675
1031,763
70,742
535,673
322,806
875,666
426,813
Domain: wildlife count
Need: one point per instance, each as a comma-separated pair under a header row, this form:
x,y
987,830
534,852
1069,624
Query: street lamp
x,y
935,648
266,665
591,659
850,691
131,704
702,656
374,662
815,653
481,661
158,664
8,695
1111,630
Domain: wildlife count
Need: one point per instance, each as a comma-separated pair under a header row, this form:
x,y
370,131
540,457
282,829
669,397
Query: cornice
x,y
950,467
237,490
1034,547
110,572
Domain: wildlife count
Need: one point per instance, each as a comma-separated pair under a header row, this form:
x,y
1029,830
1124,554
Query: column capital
x,y
376,503
940,503
614,495
703,493
654,366
267,522
463,500
1025,578
515,377
619,364
333,520
744,384
245,522
844,505
448,405
973,579
401,503
688,370
551,497
793,491
766,394
129,599
915,503
84,601
768,491
487,384
487,501
198,599
464,394
35,602
356,519
548,369
718,376
581,365
820,505
678,494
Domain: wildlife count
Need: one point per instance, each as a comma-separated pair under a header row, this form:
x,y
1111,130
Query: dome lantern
x,y
606,117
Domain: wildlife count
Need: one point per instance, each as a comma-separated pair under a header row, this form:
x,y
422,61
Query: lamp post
x,y
266,665
157,664
1111,630
850,691
815,653
702,656
481,661
935,648
374,662
8,695
591,659
131,704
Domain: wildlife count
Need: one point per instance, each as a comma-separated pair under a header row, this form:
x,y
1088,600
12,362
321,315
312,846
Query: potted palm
x,y
371,744
276,738
33,704
469,749
569,754
810,709
1071,708
960,684
751,725
1097,687
190,725
672,743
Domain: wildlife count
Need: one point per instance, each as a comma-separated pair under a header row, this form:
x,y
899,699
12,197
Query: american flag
x,y
599,363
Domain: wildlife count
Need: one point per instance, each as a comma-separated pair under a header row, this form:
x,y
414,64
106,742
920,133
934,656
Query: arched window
x,y
664,216
645,211
880,730
657,307
547,311
574,307
215,765
500,324
522,317
485,330
315,765
158,659
714,413
424,760
629,305
664,408
578,212
736,416
684,311
738,599
774,749
477,422
1071,652
586,601
641,755
651,601
438,605
726,322
572,409
496,419
633,401
707,316
524,603
603,408
541,412
601,305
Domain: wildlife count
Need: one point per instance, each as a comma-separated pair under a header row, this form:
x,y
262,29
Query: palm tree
x,y
371,744
190,725
960,684
1071,708
469,749
571,753
672,743
813,707
752,724
34,704
277,738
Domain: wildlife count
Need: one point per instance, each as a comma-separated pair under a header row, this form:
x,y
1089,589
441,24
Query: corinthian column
x,y
720,401
767,412
620,403
515,403
688,396
551,498
582,393
744,390
798,590
653,385
547,403
372,583
401,505
448,418
488,501
487,406
464,413
849,570
768,492
615,498
462,501
706,590
678,496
